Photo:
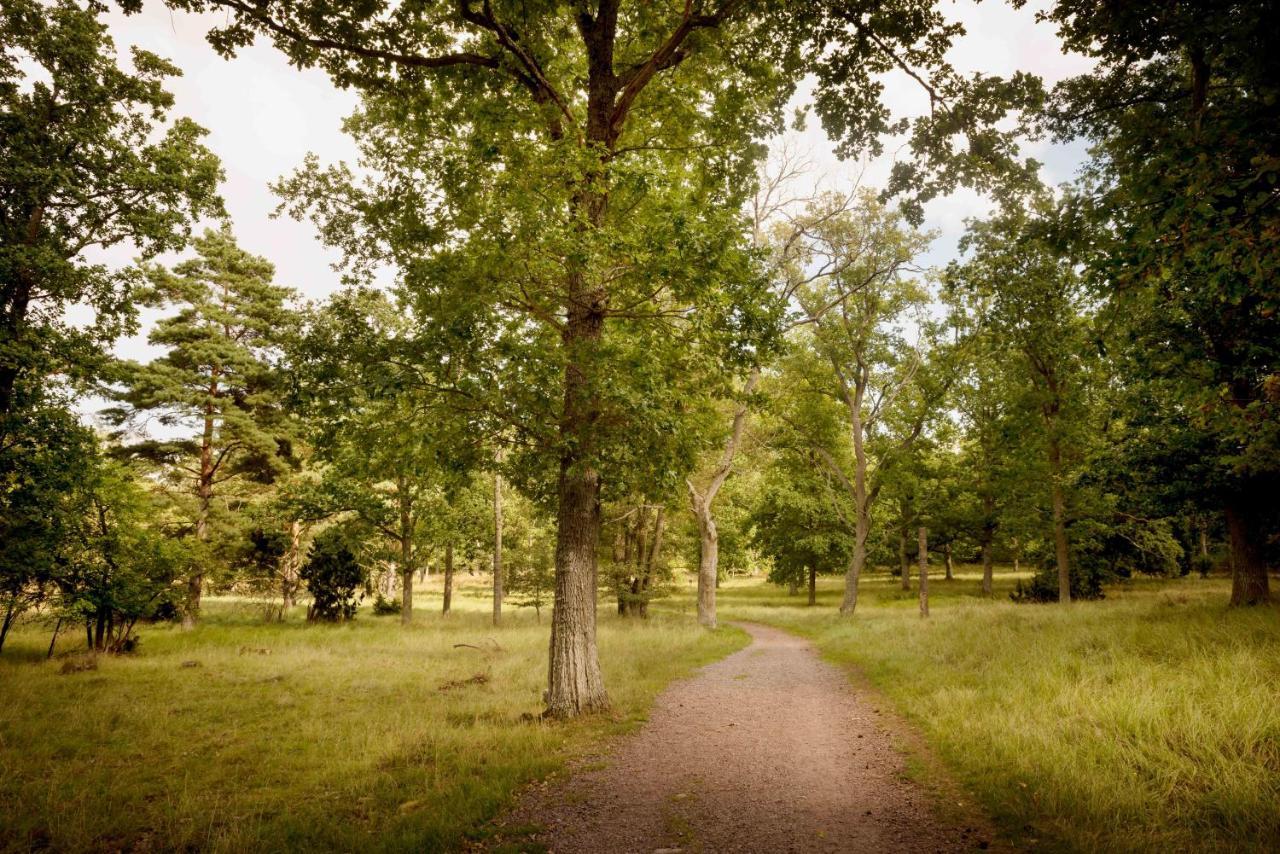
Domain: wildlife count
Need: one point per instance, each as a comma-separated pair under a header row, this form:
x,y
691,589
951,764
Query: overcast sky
x,y
264,116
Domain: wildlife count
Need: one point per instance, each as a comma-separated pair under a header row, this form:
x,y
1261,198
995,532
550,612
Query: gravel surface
x,y
768,750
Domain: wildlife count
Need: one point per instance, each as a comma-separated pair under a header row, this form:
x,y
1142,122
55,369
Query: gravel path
x,y
768,750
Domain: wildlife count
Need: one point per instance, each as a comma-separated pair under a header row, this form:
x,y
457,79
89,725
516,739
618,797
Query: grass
x,y
364,736
1147,721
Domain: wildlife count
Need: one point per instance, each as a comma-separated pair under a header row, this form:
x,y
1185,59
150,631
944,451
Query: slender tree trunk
x,y
10,615
406,552
1204,539
988,539
292,564
946,557
904,562
861,502
1249,582
53,641
813,585
708,564
497,549
1060,547
709,538
448,577
924,570
204,498
650,561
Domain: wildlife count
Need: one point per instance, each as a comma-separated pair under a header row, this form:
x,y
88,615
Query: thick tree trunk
x,y
1060,547
1249,582
924,570
448,577
813,586
861,500
575,681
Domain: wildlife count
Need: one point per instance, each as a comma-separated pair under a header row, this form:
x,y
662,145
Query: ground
x,y
1150,720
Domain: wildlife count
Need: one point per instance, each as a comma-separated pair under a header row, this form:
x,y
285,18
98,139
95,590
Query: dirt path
x,y
768,750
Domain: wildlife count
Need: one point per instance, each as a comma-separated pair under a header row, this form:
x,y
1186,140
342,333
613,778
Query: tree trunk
x,y
861,501
709,538
988,538
924,570
1060,547
292,565
497,549
9,616
448,577
904,562
1249,582
204,497
708,564
575,681
406,552
53,641
813,586
946,557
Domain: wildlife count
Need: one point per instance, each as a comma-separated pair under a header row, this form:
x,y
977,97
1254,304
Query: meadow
x,y
1146,721
245,736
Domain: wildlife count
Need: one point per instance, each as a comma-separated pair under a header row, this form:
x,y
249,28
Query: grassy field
x,y
363,737
1148,721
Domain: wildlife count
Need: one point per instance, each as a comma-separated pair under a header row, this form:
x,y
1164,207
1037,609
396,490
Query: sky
x,y
264,117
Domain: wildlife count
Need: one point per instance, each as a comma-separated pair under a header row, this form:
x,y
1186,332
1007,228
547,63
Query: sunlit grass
x,y
338,738
1147,721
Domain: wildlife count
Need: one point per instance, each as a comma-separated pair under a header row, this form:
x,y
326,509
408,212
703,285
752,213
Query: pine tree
x,y
219,378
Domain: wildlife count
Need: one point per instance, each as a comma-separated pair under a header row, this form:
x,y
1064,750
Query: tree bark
x,y
497,549
946,557
292,565
575,681
204,498
1060,548
861,500
813,586
924,570
1249,582
448,577
709,537
988,538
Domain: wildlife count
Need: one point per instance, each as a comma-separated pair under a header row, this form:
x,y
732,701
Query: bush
x,y
333,577
383,607
1043,586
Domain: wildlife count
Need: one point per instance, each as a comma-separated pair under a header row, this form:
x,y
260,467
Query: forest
x,y
630,460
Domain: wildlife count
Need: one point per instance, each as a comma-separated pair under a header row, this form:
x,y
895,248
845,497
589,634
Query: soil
x,y
768,750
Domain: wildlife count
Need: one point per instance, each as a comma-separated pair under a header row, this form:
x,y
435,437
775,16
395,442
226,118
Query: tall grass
x,y
364,736
1149,721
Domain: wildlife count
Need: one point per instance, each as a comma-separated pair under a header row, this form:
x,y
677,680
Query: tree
x,y
1178,208
333,576
394,455
88,158
848,266
562,134
219,378
1038,309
